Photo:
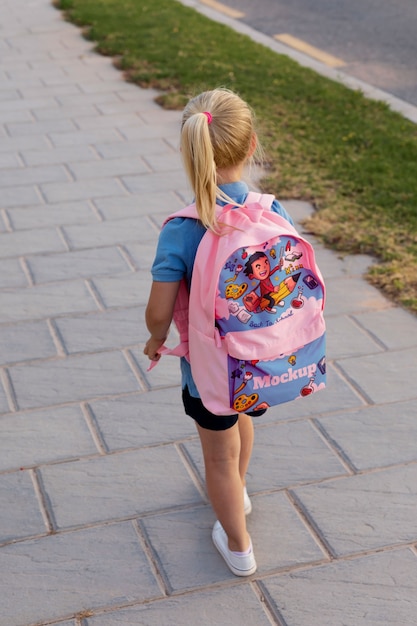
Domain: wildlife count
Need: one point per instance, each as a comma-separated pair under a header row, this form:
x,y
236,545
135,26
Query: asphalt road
x,y
376,40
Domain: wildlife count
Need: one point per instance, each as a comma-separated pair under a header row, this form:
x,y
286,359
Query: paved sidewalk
x,y
104,519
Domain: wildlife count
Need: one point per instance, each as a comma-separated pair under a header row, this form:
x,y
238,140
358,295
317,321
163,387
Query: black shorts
x,y
204,418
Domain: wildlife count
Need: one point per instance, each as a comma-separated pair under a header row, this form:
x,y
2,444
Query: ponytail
x,y
217,130
200,167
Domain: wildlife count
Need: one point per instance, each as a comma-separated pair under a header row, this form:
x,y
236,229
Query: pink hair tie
x,y
208,116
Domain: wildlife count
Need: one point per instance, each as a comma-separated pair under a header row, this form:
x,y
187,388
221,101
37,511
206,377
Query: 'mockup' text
x,y
259,382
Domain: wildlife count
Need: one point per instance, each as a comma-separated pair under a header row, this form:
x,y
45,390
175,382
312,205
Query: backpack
x,y
252,326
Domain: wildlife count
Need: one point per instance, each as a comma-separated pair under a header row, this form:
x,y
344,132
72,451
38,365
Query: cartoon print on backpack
x,y
258,268
261,282
243,401
252,382
266,285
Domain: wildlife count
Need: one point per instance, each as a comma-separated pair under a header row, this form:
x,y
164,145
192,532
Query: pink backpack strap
x,y
188,211
181,322
264,199
180,317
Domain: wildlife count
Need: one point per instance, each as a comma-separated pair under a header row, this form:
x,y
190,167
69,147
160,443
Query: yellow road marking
x,y
218,6
303,46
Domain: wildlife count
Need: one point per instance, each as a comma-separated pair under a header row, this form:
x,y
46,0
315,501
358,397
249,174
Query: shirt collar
x,y
236,191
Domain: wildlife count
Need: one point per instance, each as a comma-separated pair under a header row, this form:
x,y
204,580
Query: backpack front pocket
x,y
256,384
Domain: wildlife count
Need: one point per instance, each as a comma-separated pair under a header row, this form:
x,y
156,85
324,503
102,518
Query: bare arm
x,y
158,315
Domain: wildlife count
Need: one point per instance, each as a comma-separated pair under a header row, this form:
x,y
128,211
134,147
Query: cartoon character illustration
x,y
235,291
243,402
322,364
292,360
262,406
258,267
240,312
238,269
246,378
293,256
308,389
298,301
310,281
237,373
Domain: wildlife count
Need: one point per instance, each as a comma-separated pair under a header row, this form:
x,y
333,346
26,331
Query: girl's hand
x,y
151,348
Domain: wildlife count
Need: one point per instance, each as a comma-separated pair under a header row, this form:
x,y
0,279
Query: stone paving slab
x,y
110,233
233,606
8,160
72,379
95,332
64,113
44,301
385,377
76,264
26,104
365,512
108,167
22,129
54,577
19,196
124,290
351,295
31,142
369,591
26,341
280,536
142,147
16,176
11,116
60,434
5,407
81,190
135,205
51,215
67,155
345,339
105,121
12,274
23,242
118,486
375,436
144,419
168,181
141,254
395,328
20,515
86,138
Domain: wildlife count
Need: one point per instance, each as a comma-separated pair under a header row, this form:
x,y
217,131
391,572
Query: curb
x,y
407,110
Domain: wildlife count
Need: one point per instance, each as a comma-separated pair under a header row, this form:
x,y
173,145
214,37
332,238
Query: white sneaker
x,y
240,565
247,504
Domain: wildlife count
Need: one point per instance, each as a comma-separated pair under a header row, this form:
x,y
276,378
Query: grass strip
x,y
353,158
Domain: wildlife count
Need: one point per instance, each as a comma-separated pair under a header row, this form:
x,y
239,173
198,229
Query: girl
x,y
217,140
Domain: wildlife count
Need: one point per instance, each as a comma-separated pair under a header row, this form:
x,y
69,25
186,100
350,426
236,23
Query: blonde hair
x,y
216,133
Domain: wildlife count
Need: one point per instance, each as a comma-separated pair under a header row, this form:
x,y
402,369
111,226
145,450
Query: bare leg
x,y
246,432
221,451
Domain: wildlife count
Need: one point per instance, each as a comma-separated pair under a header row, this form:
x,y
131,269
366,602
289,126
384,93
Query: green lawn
x,y
353,158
